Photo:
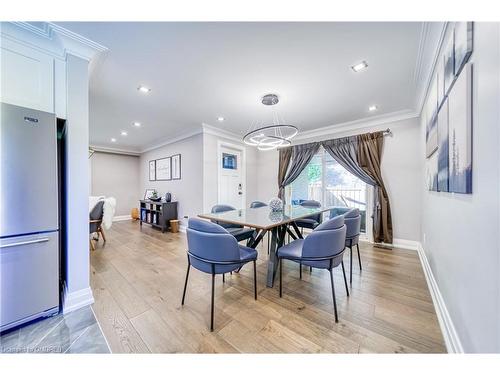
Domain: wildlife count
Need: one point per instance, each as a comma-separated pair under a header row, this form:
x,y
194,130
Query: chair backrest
x,y
312,203
96,214
327,240
352,219
257,204
210,242
218,208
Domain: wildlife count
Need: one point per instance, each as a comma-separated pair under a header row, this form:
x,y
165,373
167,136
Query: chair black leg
x,y
359,258
350,265
310,269
255,279
268,244
345,279
300,271
281,277
186,283
223,277
212,310
334,300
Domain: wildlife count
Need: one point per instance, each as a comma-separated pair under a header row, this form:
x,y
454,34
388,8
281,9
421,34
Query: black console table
x,y
157,214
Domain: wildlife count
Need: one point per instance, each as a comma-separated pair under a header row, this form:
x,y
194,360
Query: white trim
x,y
243,151
405,244
450,335
172,140
399,243
424,92
209,129
360,124
122,218
75,300
182,228
111,150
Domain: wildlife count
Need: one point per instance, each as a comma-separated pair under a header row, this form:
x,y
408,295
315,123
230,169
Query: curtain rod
x,y
386,132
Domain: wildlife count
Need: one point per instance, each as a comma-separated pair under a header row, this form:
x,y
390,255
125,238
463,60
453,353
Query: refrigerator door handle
x,y
44,239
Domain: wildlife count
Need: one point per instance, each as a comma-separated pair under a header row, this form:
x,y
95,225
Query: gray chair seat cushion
x,y
307,223
241,233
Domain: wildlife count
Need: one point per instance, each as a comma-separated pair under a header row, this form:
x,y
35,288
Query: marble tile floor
x,y
75,332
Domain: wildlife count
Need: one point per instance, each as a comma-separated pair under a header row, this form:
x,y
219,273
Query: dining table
x,y
264,220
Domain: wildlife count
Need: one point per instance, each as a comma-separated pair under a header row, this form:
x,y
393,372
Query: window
x,y
326,181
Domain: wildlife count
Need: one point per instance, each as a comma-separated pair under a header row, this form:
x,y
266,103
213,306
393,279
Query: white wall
x,y
188,191
460,232
118,176
401,170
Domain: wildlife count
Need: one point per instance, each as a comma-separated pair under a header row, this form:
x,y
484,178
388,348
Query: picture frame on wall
x,y
460,133
443,142
176,166
152,170
164,169
463,44
449,63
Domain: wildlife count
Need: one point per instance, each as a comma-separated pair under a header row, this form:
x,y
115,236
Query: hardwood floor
x,y
137,280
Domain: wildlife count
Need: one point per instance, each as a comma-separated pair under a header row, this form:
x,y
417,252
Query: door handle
x,y
39,240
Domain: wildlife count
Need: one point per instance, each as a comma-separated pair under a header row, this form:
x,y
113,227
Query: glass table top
x,y
263,217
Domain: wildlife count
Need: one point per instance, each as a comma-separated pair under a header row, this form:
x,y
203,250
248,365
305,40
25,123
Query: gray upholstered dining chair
x,y
323,248
212,249
352,219
95,223
238,231
312,221
257,204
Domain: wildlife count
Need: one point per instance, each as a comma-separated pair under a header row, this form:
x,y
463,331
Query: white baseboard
x,y
450,335
405,244
75,300
122,218
399,243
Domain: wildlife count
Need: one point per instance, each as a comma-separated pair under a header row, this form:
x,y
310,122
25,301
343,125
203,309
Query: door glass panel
x,y
329,183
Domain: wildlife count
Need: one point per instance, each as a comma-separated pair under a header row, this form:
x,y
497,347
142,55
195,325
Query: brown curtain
x,y
284,162
370,148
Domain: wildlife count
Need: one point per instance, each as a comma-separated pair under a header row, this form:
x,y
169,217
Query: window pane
x,y
309,183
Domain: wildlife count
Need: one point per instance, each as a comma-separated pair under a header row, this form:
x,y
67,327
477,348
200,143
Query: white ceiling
x,y
199,71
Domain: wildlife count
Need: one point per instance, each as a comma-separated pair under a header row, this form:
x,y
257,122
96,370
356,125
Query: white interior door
x,y
231,177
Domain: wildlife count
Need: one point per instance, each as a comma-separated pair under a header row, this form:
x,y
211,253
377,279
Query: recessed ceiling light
x,y
137,124
144,89
124,133
372,108
113,140
220,119
359,66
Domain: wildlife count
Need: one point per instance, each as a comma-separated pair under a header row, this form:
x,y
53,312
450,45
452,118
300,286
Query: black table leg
x,y
277,240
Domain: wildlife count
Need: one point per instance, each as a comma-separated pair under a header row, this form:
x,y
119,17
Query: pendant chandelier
x,y
270,137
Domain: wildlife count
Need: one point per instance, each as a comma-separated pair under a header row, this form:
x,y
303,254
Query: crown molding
x,y
213,130
357,125
427,80
113,150
172,140
53,40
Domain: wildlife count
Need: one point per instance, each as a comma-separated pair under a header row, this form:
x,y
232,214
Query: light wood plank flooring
x,y
137,280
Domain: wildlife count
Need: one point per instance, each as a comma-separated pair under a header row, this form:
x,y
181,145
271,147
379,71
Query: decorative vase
x,y
276,204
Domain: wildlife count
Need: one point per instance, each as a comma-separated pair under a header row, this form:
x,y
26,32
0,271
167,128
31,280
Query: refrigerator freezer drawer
x,y
29,277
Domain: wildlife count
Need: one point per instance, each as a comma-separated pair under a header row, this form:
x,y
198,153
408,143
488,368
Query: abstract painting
x,y
431,110
449,63
432,173
460,133
442,153
463,44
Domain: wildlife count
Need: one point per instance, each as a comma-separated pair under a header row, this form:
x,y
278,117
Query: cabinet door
x,y
27,77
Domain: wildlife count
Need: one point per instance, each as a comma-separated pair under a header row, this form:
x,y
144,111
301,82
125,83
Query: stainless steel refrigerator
x,y
29,221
